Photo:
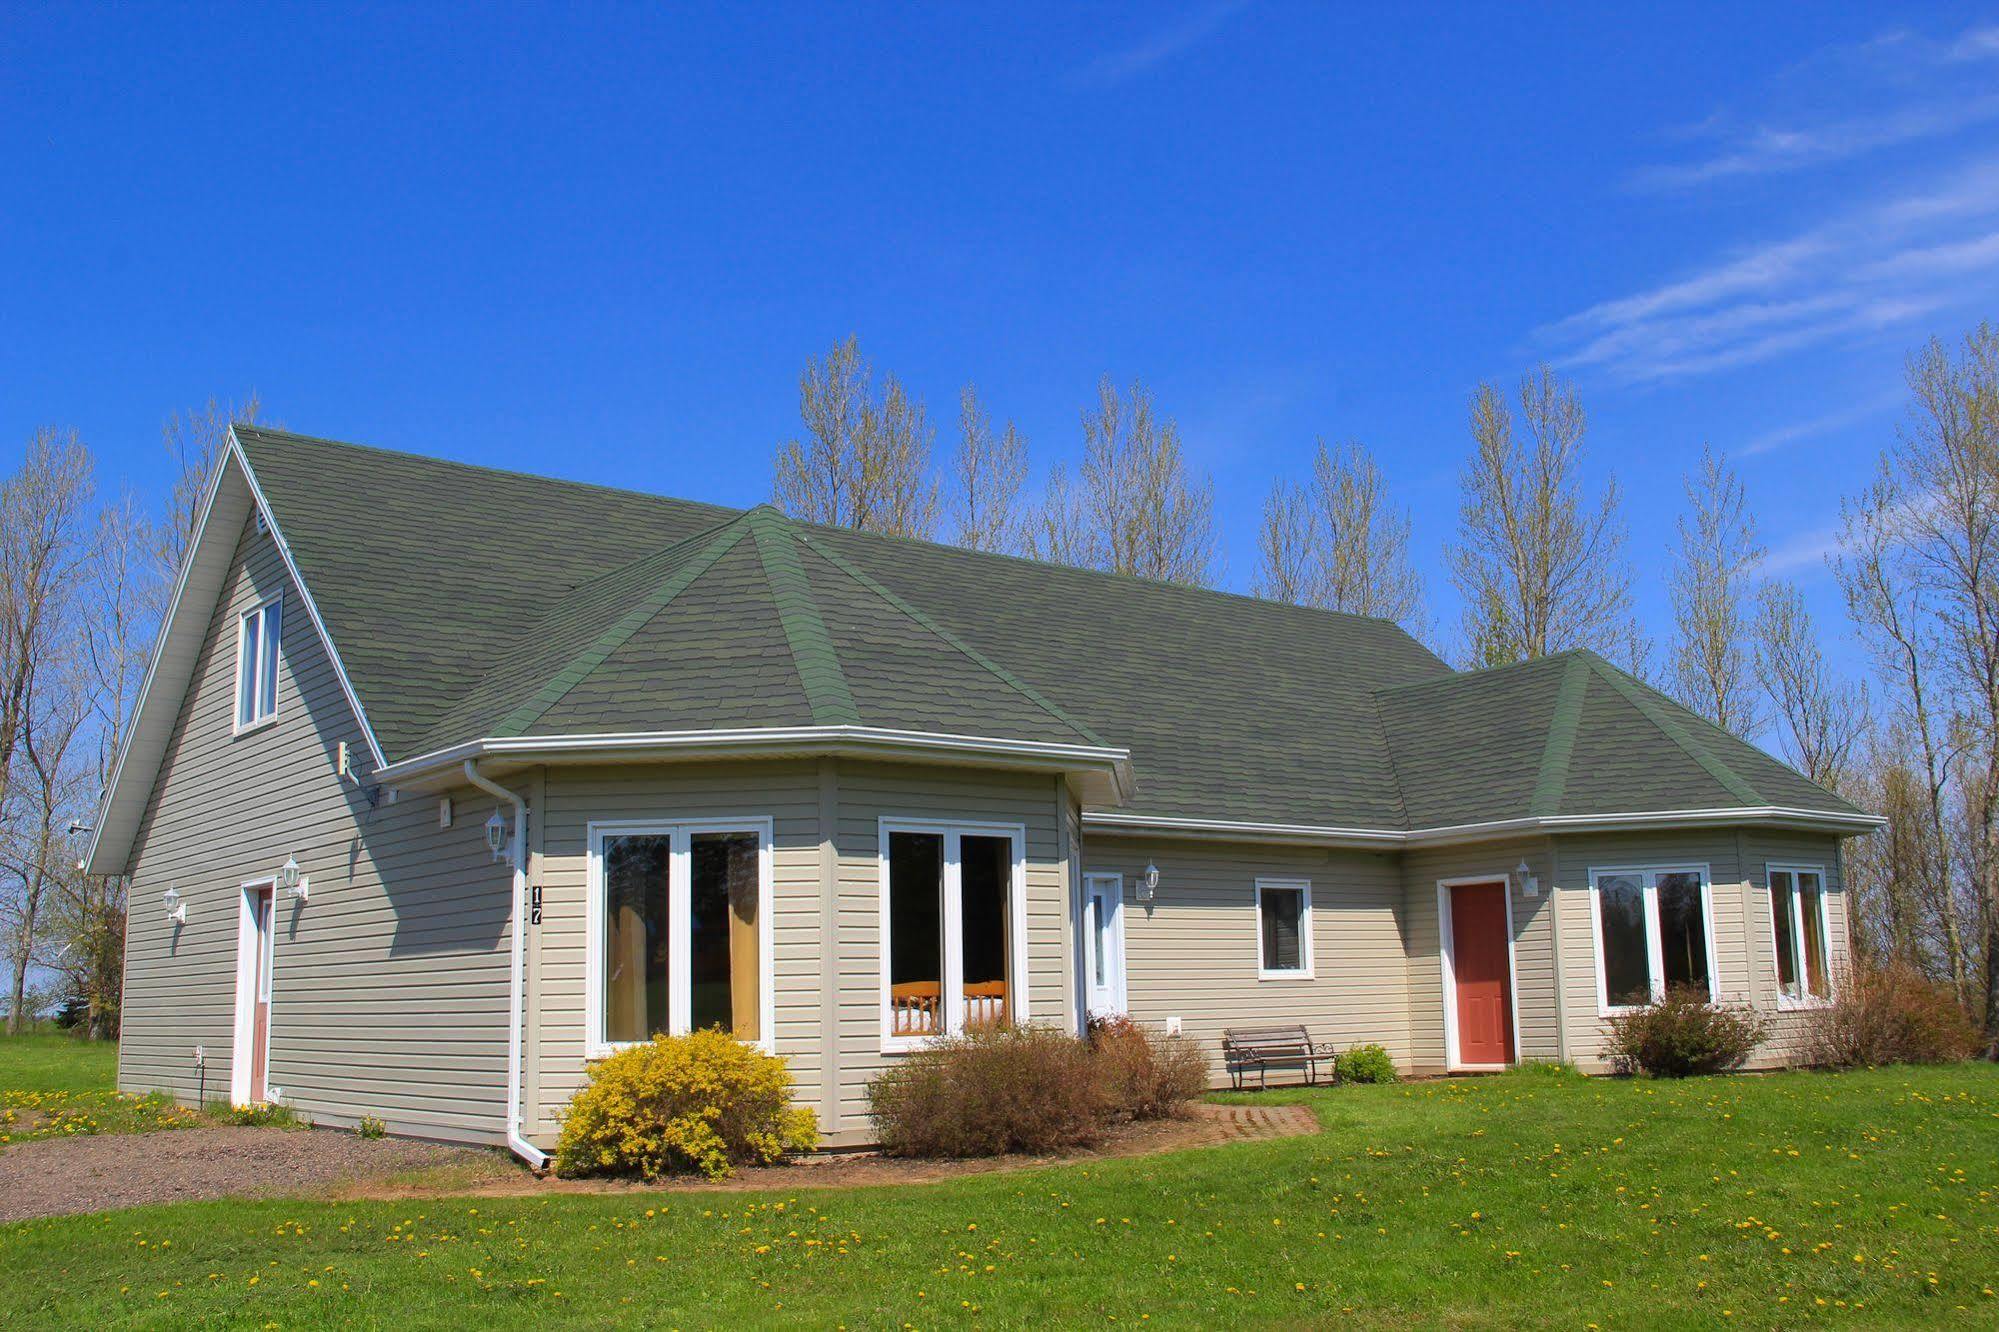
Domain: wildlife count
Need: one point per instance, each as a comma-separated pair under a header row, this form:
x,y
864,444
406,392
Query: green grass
x,y
54,1061
53,1086
1532,1199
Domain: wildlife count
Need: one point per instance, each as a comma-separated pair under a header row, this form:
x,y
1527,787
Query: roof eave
x,y
1101,775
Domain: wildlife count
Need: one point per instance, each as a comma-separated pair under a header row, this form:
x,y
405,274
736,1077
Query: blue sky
x,y
601,241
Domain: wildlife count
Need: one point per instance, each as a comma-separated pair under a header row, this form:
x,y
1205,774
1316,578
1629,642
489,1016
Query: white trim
x,y
1322,835
1654,940
270,656
679,904
243,1035
1805,999
517,923
1119,993
1447,953
1303,971
951,1002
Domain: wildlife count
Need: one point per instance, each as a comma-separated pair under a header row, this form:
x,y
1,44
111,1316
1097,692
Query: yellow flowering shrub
x,y
702,1102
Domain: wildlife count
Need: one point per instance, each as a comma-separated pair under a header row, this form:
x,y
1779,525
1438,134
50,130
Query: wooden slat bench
x,y
1257,1050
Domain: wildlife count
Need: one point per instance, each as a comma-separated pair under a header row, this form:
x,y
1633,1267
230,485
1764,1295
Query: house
x,y
446,780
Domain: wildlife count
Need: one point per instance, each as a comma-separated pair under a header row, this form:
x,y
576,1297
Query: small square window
x,y
257,640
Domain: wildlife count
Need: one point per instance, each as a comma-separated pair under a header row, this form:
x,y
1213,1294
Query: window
x,y
257,642
1652,934
1284,928
678,937
952,900
1802,937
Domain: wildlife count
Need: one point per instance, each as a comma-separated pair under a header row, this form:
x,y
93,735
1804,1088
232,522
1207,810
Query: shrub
x,y
1891,1016
1364,1063
265,1115
702,1102
371,1128
988,1092
1683,1035
1146,1074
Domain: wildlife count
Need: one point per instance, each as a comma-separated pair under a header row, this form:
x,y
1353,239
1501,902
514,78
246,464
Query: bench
x,y
1260,1049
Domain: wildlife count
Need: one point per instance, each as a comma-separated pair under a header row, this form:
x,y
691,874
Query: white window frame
x,y
678,904
1805,999
952,1000
1304,969
243,1033
1447,953
270,633
1654,939
1114,882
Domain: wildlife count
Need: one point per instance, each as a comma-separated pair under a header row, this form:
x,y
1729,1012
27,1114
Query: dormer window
x,y
257,666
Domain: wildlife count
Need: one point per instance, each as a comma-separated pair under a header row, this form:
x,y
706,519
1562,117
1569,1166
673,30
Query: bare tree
x,y
1058,531
987,473
1337,543
196,440
1539,565
1137,511
1287,547
1821,720
865,461
1710,669
34,852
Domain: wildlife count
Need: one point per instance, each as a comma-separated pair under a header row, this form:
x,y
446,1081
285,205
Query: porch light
x,y
496,833
1148,883
1529,885
294,883
176,906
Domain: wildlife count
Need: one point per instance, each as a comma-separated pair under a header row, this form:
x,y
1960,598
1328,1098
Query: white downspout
x,y
517,978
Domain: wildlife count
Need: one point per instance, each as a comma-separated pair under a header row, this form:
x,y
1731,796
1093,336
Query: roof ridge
x,y
1553,780
812,650
1637,695
1005,676
1483,672
590,658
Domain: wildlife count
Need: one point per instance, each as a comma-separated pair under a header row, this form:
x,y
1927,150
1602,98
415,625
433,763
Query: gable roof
x,y
470,608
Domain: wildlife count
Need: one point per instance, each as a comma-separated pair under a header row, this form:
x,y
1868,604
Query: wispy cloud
x,y
1128,62
1868,270
1784,436
1897,89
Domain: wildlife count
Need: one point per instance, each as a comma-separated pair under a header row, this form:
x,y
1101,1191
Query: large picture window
x,y
679,935
1652,934
952,900
257,640
1802,937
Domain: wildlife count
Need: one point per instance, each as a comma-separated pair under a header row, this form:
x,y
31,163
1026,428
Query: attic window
x,y
257,640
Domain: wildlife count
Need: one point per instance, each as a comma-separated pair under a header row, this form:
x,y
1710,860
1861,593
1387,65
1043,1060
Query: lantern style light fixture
x,y
1148,883
176,905
496,833
294,883
1529,885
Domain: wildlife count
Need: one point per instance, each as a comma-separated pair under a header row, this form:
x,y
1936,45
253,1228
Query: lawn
x,y
1532,1199
52,1085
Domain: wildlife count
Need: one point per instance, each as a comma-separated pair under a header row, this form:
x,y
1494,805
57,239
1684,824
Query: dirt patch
x,y
1205,1126
58,1176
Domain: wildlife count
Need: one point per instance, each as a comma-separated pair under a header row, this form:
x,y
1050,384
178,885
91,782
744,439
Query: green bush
x,y
1682,1036
1146,1073
264,1115
703,1102
1364,1063
371,1128
988,1092
1891,1016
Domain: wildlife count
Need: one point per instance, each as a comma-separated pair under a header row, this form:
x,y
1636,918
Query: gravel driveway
x,y
56,1176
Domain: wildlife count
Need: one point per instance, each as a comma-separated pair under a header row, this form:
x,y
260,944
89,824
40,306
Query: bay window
x,y
952,900
1802,936
678,933
1653,933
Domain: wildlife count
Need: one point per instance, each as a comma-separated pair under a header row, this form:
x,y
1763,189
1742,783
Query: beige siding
x,y
1191,953
1534,985
389,986
1744,955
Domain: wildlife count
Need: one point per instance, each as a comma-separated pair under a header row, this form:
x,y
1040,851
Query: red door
x,y
260,1011
1484,975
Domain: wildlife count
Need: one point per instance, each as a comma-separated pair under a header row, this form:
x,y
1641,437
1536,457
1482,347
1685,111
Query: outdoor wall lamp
x,y
294,883
176,905
1529,885
1148,883
496,833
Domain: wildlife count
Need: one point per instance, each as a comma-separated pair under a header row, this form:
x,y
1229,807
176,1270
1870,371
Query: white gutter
x,y
517,977
1315,835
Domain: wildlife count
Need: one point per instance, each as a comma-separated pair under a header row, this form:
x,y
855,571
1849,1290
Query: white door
x,y
1103,943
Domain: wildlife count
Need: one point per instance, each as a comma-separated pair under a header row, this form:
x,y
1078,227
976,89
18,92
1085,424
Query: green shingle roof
x,y
468,603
